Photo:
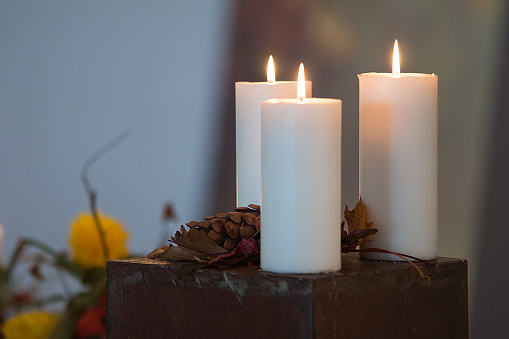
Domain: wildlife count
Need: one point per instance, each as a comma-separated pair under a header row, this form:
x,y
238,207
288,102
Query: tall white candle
x,y
249,95
398,161
301,185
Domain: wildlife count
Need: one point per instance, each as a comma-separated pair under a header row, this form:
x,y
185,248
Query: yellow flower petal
x,y
85,243
34,325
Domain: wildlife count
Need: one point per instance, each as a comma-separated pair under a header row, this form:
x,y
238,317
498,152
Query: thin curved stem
x,y
91,194
59,258
401,255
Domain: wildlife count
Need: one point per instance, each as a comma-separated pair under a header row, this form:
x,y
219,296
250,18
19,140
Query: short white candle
x,y
301,185
249,96
398,161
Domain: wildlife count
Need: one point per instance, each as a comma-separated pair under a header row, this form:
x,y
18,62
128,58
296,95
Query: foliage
x,y
85,311
94,238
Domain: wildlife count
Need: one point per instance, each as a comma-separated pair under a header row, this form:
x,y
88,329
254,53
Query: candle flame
x,y
395,60
271,73
301,83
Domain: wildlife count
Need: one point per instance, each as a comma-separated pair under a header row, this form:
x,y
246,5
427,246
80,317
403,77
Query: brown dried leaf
x,y
156,252
197,241
244,250
356,219
358,227
176,253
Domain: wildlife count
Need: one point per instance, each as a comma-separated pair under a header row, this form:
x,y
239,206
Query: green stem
x,y
100,229
60,259
14,258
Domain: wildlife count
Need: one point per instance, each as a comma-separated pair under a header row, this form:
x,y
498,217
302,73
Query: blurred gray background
x,y
73,75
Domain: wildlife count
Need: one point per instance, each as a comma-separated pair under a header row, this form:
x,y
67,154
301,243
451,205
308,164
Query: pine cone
x,y
228,229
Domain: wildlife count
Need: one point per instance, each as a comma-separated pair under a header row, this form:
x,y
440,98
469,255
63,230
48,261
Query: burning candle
x,y
398,160
249,95
301,184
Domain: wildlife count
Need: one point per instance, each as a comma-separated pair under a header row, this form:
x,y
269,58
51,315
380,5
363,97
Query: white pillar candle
x,y
398,161
249,95
301,185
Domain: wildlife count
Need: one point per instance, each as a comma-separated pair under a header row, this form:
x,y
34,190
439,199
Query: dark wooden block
x,y
367,299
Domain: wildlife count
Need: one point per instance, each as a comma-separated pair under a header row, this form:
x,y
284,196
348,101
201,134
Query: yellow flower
x,y
34,325
85,242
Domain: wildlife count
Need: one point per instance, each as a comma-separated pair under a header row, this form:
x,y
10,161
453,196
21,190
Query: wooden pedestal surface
x,y
366,299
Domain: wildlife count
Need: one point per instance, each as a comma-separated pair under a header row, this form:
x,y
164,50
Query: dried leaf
x,y
156,252
199,242
243,250
176,253
356,219
358,227
247,247
350,242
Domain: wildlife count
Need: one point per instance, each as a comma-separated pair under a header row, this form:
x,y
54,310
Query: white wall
x,y
73,75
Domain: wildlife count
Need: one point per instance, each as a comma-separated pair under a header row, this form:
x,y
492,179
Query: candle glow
x,y
271,73
395,60
301,83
